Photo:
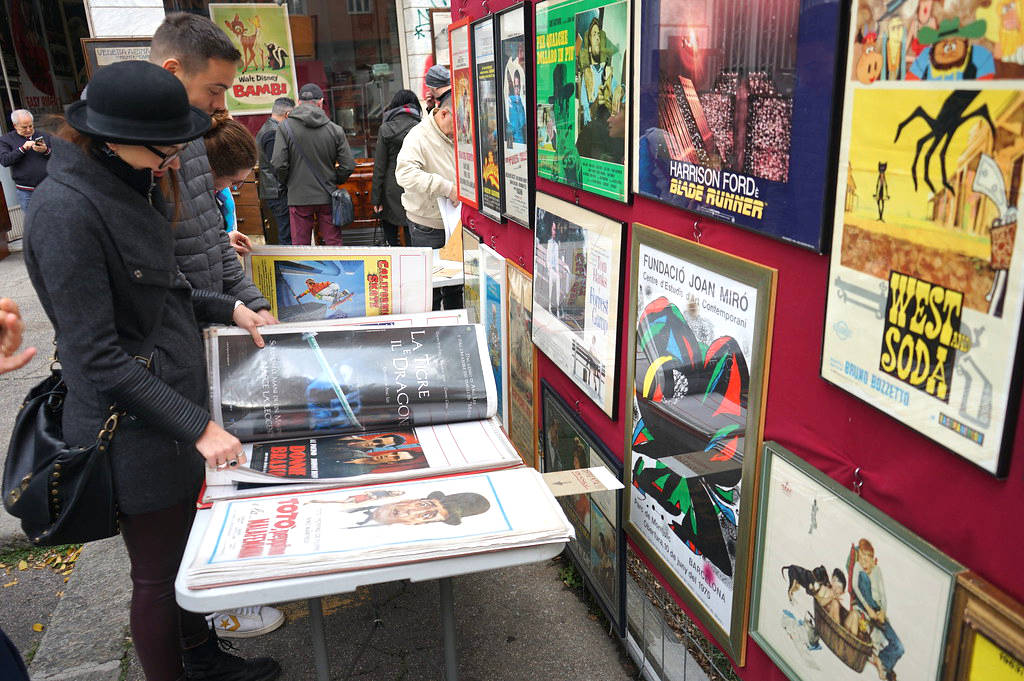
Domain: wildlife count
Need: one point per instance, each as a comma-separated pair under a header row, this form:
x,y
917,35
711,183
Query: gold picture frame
x,y
986,638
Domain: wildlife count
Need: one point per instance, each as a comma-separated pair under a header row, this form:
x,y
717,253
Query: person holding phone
x,y
26,153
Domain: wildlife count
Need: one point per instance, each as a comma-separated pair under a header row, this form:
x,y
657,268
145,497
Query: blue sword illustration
x,y
310,337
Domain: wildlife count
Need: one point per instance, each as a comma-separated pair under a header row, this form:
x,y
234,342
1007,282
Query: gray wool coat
x,y
324,145
204,253
101,259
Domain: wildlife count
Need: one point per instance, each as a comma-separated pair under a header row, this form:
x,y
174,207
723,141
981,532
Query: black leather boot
x,y
211,661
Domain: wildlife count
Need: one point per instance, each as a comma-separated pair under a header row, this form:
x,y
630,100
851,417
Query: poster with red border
x,y
465,118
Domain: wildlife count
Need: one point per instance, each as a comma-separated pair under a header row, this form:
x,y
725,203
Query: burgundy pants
x,y
304,217
160,628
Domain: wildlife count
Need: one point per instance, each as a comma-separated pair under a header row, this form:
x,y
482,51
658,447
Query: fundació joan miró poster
x,y
583,94
925,289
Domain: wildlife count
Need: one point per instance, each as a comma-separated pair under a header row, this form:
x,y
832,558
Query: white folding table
x,y
314,587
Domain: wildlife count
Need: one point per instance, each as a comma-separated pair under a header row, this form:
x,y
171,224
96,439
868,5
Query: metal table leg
x,y
316,625
451,663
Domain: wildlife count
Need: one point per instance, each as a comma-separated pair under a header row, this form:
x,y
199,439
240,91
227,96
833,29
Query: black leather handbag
x,y
62,494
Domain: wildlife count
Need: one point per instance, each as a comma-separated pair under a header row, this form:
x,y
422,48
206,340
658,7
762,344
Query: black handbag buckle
x,y
109,426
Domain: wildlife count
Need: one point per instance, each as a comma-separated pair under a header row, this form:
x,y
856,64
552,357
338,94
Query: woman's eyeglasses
x,y
166,159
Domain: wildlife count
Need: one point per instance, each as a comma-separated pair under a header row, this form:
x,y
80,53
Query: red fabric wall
x,y
962,510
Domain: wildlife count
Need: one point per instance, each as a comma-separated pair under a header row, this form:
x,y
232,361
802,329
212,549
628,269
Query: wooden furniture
x,y
247,206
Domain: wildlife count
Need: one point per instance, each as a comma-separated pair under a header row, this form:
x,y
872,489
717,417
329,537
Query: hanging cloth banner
x,y
266,70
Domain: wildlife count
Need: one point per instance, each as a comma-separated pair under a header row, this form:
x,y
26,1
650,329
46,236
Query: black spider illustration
x,y
951,116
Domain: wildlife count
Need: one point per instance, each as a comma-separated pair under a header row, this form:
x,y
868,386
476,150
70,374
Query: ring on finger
x,y
233,463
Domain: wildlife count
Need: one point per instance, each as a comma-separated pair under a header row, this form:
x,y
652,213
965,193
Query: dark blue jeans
x,y
279,207
450,297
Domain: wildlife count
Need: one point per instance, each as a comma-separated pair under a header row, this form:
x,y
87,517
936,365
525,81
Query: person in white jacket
x,y
426,171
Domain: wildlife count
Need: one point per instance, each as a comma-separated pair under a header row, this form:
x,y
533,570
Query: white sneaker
x,y
246,622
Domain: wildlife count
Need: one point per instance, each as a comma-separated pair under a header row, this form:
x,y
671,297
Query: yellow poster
x,y
266,70
991,663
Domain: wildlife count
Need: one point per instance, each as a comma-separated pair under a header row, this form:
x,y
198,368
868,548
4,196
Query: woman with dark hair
x,y
402,115
99,232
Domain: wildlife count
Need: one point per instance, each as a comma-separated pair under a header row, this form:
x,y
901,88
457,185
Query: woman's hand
x,y
11,327
220,448
245,318
239,242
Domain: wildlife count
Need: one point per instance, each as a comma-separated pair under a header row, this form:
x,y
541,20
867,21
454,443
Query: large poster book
x,y
296,534
321,381
383,455
310,283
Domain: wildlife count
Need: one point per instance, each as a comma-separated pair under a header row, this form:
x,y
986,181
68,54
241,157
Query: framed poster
x,y
986,634
488,130
101,52
266,71
465,113
516,93
599,547
471,275
440,19
583,67
700,328
926,286
839,587
577,276
493,287
734,111
522,365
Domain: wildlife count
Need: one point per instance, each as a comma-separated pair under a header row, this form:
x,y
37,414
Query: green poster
x,y
582,94
266,70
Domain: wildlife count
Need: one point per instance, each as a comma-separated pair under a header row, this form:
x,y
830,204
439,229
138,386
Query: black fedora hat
x,y
135,102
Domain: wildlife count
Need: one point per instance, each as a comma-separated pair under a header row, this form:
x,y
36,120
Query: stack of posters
x,y
326,379
311,283
320,532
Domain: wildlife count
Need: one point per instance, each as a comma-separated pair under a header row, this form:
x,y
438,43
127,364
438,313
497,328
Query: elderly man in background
x,y
438,81
25,152
273,192
311,156
426,171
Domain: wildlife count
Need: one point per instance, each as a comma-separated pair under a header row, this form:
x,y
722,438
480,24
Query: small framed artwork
x,y
599,547
577,276
522,364
488,130
100,52
841,589
583,94
925,302
734,112
986,634
515,80
700,324
440,19
471,275
493,297
460,48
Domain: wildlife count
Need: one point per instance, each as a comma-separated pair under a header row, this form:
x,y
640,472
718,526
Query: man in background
x,y
426,171
438,82
25,152
311,156
273,192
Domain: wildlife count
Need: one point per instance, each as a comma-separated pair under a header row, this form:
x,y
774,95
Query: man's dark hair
x,y
282,105
191,39
405,98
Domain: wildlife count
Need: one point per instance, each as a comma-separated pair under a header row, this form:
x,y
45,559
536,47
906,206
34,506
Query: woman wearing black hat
x,y
100,253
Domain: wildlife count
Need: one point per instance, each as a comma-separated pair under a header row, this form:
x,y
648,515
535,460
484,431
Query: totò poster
x,y
266,70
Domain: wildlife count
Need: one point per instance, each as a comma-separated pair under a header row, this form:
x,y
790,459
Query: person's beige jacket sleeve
x,y
411,173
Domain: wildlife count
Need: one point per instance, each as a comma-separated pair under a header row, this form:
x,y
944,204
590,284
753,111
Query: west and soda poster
x,y
516,97
700,328
266,71
925,289
465,114
488,134
577,275
734,111
583,66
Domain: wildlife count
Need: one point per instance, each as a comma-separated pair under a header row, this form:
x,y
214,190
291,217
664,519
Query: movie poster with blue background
x,y
734,111
516,75
493,286
926,289
583,67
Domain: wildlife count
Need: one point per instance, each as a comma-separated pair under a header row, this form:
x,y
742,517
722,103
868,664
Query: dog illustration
x,y
810,580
